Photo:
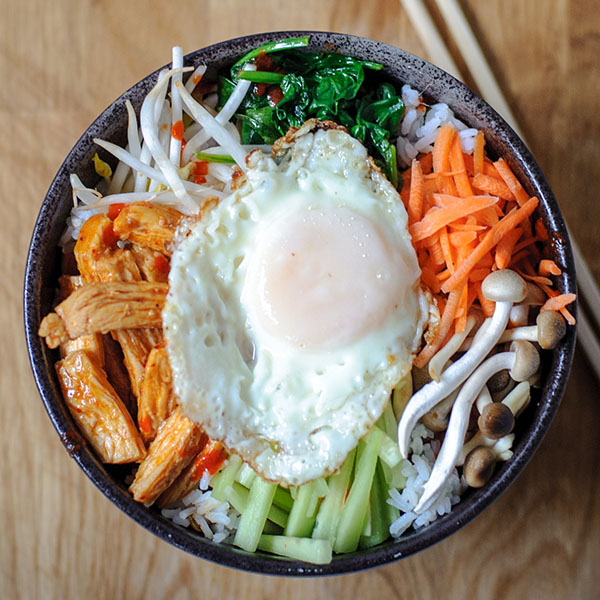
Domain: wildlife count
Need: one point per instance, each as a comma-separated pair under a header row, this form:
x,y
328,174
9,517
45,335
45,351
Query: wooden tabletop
x,y
64,61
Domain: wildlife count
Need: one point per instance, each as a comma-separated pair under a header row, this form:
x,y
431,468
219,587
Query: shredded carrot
x,y
434,220
441,158
487,306
492,185
457,164
540,230
491,238
505,247
558,302
511,181
548,267
415,199
462,238
461,312
568,316
446,250
469,216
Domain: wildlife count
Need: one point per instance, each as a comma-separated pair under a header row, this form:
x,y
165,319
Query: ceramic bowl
x,y
43,268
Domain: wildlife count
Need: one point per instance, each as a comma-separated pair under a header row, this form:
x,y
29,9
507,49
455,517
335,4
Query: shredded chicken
x,y
190,477
150,225
98,411
178,441
157,399
153,265
106,306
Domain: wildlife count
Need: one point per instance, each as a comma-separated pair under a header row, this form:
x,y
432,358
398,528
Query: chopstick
x,y
488,86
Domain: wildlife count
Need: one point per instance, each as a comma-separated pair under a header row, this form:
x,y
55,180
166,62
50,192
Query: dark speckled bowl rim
x,y
40,281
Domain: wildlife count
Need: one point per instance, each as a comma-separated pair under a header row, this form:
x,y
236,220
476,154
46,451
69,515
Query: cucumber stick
x,y
306,549
224,478
354,511
379,530
252,521
329,511
246,475
302,519
237,496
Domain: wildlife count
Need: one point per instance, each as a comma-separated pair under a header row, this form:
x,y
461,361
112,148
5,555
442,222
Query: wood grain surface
x,y
64,61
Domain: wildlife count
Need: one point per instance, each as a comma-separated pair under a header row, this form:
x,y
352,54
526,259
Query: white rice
x,y
216,520
420,125
416,469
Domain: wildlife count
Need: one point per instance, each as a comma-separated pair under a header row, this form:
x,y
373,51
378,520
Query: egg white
x,y
291,398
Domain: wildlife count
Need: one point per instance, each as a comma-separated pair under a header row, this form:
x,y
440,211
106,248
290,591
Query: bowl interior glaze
x,y
43,266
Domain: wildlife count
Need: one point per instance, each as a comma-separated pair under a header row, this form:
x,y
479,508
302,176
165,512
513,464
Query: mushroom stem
x,y
522,360
516,401
441,358
504,287
457,427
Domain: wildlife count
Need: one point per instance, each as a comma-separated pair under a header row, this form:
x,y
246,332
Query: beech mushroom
x,y
479,466
519,314
504,287
523,360
496,420
436,419
440,359
516,402
549,329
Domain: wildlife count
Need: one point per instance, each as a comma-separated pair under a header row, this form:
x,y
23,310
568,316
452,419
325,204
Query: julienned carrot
x,y
461,311
548,267
457,164
434,220
487,306
490,239
446,323
511,181
462,238
492,185
415,199
505,247
441,149
558,302
441,158
478,153
447,251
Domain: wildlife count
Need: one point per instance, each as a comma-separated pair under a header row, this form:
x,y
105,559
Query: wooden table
x,y
62,62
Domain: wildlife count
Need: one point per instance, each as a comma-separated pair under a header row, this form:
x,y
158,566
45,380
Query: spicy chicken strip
x,y
157,399
98,410
92,342
100,259
148,224
153,265
106,306
178,441
210,459
98,256
117,373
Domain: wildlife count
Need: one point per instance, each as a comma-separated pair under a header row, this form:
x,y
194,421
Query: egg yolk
x,y
323,278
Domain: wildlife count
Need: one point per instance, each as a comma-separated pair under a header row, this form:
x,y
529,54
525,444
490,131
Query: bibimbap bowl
x,y
44,267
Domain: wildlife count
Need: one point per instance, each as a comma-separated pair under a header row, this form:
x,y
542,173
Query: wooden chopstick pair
x,y
490,90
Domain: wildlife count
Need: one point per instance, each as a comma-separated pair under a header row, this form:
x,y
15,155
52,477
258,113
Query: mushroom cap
x,y
535,296
551,329
527,360
435,421
496,420
498,381
479,466
504,285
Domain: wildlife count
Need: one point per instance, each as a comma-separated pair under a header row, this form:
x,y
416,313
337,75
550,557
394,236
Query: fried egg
x,y
294,306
